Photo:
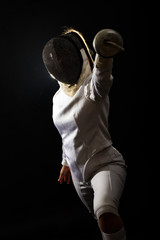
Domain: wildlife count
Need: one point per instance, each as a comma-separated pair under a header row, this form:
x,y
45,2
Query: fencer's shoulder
x,y
56,95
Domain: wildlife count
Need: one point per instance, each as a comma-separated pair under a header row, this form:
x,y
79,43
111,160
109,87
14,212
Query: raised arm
x,y
107,43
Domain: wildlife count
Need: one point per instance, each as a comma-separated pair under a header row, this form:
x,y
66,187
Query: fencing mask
x,y
62,57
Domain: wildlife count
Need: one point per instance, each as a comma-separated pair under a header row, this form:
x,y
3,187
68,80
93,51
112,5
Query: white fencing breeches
x,y
102,193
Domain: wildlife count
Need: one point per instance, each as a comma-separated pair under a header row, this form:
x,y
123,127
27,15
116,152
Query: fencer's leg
x,y
108,186
110,222
85,193
111,227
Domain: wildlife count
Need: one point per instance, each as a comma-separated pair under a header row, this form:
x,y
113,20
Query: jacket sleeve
x,y
64,161
102,76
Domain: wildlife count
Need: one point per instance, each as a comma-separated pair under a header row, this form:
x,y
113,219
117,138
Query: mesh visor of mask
x,y
62,58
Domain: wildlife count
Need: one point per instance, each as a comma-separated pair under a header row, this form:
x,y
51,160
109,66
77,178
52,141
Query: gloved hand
x,y
108,43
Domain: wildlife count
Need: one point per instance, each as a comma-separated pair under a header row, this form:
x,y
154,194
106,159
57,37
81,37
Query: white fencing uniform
x,y
98,169
102,192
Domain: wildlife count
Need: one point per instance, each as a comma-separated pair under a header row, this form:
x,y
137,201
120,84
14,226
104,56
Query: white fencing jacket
x,y
82,121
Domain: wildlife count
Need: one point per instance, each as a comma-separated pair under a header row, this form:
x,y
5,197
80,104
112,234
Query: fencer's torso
x,y
82,121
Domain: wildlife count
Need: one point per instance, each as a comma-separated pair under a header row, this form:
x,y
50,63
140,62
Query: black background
x,y
33,204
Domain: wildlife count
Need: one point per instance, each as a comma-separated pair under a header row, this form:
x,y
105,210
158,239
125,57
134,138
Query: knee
x,y
110,223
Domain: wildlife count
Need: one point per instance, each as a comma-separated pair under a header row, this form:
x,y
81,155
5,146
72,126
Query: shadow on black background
x,y
33,204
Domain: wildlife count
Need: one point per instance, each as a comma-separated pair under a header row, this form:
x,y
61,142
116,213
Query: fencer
x,y
80,114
